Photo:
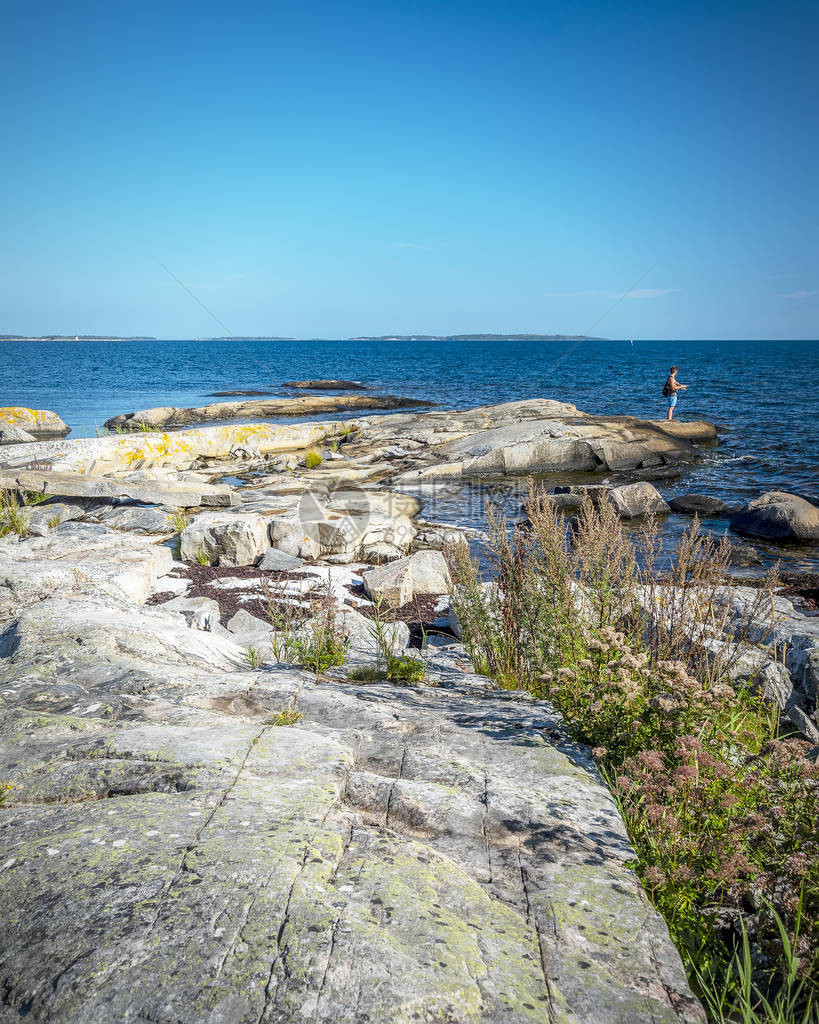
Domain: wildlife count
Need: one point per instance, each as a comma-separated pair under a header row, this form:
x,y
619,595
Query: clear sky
x,y
342,168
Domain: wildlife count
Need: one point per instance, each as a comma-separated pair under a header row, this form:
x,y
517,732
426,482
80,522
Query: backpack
x,y
667,390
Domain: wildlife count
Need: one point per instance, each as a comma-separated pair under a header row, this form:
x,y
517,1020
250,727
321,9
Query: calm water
x,y
763,395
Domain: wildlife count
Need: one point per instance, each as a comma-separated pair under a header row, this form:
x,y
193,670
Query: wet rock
x,y
225,538
778,516
324,385
699,505
743,556
639,499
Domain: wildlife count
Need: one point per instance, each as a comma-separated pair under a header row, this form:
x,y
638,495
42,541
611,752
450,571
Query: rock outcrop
x,y
306,405
778,516
324,385
37,422
169,853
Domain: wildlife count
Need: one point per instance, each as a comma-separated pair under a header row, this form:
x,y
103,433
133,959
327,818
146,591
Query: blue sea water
x,y
762,394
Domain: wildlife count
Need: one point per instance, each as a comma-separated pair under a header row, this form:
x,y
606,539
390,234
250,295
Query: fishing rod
x,y
239,341
625,295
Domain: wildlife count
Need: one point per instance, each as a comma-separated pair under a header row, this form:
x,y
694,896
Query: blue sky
x,y
335,169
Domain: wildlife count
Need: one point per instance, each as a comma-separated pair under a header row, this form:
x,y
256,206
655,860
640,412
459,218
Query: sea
x,y
762,395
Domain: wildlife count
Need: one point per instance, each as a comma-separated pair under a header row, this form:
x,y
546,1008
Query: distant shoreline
x,y
382,337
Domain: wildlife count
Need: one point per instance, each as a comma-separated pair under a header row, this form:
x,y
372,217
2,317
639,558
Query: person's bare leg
x,y
670,412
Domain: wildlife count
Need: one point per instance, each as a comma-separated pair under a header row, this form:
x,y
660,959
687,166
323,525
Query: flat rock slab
x,y
399,854
79,558
71,485
306,405
179,450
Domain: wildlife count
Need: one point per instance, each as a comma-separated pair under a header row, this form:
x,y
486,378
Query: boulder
x,y
226,538
259,408
699,505
52,513
11,434
778,516
38,422
380,552
245,623
743,556
439,538
289,536
637,499
396,584
275,560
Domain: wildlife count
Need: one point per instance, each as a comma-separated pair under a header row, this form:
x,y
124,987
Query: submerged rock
x,y
699,505
780,516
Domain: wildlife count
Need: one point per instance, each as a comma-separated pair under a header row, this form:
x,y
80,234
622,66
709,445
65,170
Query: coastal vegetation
x,y
13,515
642,653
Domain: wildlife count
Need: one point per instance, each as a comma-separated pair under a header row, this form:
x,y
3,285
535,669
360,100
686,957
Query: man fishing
x,y
670,389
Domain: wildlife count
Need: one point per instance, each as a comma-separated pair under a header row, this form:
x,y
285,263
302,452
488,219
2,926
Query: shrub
x,y
640,652
367,674
178,520
403,668
202,557
287,716
313,458
13,517
318,643
254,657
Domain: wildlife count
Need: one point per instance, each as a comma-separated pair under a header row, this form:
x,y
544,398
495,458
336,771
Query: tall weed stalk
x,y
647,658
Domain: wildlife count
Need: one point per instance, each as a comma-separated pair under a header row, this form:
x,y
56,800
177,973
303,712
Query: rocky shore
x,y
197,830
